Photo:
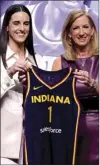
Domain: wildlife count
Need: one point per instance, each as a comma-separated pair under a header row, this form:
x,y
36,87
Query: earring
x,y
7,28
92,37
70,40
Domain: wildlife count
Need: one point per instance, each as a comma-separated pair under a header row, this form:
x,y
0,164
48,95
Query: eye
x,y
16,22
26,23
75,28
86,26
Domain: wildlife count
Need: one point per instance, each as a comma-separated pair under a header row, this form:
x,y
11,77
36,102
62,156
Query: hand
x,y
19,66
22,74
22,78
83,77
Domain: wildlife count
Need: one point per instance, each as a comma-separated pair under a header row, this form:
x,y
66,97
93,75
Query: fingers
x,y
28,65
82,76
23,81
81,72
22,78
20,66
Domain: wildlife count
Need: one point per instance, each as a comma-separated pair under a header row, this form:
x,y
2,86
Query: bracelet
x,y
94,85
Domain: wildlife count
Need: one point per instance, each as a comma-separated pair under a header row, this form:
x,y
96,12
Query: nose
x,y
81,31
21,27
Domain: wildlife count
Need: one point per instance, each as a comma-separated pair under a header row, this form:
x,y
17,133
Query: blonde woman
x,y
80,41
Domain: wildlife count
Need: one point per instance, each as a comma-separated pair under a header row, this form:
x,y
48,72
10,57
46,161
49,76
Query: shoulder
x,y
95,59
57,64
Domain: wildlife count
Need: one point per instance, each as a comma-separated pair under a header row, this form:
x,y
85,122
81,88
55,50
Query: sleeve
x,y
6,82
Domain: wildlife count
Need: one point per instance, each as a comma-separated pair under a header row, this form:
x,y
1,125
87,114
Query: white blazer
x,y
11,109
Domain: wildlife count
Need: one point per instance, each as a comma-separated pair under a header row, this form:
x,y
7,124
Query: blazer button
x,y
8,84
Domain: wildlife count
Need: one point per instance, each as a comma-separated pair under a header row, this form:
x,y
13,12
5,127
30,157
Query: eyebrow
x,y
19,21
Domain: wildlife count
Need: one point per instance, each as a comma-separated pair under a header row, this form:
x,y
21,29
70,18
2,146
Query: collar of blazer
x,y
31,60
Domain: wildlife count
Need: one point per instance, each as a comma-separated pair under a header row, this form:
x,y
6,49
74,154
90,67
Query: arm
x,y
56,64
6,81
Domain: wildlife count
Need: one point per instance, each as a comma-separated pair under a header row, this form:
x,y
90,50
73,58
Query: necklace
x,y
82,62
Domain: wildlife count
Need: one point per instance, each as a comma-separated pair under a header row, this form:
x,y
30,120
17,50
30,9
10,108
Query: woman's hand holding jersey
x,y
84,77
18,66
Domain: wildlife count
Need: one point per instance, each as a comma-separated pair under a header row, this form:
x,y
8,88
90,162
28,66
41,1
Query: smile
x,y
21,34
81,39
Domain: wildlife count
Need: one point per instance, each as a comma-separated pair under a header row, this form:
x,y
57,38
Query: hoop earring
x,y
70,40
92,37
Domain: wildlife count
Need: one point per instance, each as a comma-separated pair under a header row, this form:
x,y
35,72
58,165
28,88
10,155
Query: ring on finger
x,y
83,73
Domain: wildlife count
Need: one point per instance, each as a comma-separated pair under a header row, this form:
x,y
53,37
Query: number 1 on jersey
x,y
50,113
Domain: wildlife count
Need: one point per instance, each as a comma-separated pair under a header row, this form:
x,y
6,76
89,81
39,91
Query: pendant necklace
x,y
83,61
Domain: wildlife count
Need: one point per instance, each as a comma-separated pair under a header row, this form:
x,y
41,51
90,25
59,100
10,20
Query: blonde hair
x,y
70,53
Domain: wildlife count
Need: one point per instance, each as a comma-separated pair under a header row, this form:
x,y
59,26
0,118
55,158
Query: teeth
x,y
20,34
82,39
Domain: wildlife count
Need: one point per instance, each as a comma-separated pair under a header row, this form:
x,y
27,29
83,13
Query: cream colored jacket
x,y
11,109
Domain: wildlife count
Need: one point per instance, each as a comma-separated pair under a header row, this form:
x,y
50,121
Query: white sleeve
x,y
6,82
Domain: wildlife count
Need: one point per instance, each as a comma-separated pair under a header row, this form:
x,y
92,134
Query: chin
x,y
82,44
21,41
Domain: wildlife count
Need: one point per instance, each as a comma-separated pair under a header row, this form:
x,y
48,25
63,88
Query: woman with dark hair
x,y
4,34
80,40
17,55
